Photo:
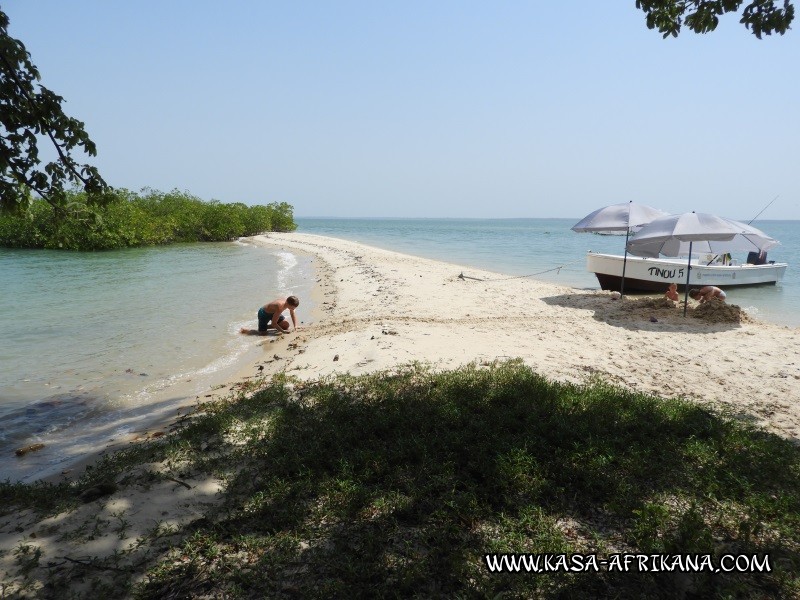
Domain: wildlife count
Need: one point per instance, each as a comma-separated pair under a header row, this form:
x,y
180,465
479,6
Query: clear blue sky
x,y
425,109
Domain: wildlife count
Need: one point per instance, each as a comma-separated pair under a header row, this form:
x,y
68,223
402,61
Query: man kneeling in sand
x,y
706,293
270,314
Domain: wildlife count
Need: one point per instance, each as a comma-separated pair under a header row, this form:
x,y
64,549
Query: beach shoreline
x,y
187,397
374,310
383,309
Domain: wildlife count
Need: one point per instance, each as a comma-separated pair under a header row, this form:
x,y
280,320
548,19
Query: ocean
x,y
95,345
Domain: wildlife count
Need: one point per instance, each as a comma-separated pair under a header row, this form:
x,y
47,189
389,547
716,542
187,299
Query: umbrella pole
x,y
688,274
624,263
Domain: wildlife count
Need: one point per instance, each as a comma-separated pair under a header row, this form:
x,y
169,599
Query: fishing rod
x,y
763,209
749,222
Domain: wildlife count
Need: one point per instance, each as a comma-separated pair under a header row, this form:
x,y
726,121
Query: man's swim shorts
x,y
264,318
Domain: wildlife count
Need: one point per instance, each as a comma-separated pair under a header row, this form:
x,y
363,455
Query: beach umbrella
x,y
626,216
682,234
750,239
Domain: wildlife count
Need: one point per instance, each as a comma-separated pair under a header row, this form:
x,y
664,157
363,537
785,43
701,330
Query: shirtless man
x,y
270,314
706,293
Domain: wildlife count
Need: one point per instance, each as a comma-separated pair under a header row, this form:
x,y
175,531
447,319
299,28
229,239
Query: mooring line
x,y
558,268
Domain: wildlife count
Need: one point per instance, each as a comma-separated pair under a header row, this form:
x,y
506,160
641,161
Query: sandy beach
x,y
378,309
381,309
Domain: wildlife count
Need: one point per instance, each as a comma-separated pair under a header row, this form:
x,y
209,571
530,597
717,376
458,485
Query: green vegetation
x,y
397,484
127,219
760,17
31,114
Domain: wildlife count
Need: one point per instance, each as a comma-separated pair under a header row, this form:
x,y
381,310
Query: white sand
x,y
381,309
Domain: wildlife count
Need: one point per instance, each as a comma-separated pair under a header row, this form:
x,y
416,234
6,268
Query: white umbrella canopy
x,y
701,232
618,217
675,247
626,216
672,235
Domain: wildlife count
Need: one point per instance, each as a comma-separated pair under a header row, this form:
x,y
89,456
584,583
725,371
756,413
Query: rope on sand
x,y
558,268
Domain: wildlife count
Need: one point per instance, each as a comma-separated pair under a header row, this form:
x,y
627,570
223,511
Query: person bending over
x,y
271,315
706,293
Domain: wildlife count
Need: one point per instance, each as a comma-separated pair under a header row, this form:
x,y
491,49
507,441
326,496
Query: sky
x,y
450,108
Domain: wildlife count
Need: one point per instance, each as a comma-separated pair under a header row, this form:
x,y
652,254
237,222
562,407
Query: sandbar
x,y
381,309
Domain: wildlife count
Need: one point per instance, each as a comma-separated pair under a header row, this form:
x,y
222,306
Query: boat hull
x,y
655,274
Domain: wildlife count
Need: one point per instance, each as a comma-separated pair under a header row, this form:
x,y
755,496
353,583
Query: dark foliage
x,y
29,113
701,16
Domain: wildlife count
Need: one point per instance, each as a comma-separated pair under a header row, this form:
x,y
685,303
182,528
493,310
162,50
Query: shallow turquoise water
x,y
94,344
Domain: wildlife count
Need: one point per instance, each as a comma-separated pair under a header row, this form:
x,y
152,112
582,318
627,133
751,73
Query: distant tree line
x,y
127,219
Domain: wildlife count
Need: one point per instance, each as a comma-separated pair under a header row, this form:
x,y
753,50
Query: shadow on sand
x,y
646,313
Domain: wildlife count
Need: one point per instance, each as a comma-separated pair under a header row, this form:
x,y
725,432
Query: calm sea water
x,y
548,249
96,344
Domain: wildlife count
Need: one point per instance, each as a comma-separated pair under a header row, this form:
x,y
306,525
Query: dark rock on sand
x,y
98,491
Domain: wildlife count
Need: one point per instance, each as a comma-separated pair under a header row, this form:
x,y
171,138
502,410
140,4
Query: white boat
x,y
655,274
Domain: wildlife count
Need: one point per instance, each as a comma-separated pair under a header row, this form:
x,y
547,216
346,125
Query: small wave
x,y
753,311
287,262
222,362
235,349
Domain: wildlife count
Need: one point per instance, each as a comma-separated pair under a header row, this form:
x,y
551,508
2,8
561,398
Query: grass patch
x,y
397,484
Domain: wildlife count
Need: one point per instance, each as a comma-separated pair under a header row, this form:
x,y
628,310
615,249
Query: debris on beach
x,y
98,491
27,449
717,311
